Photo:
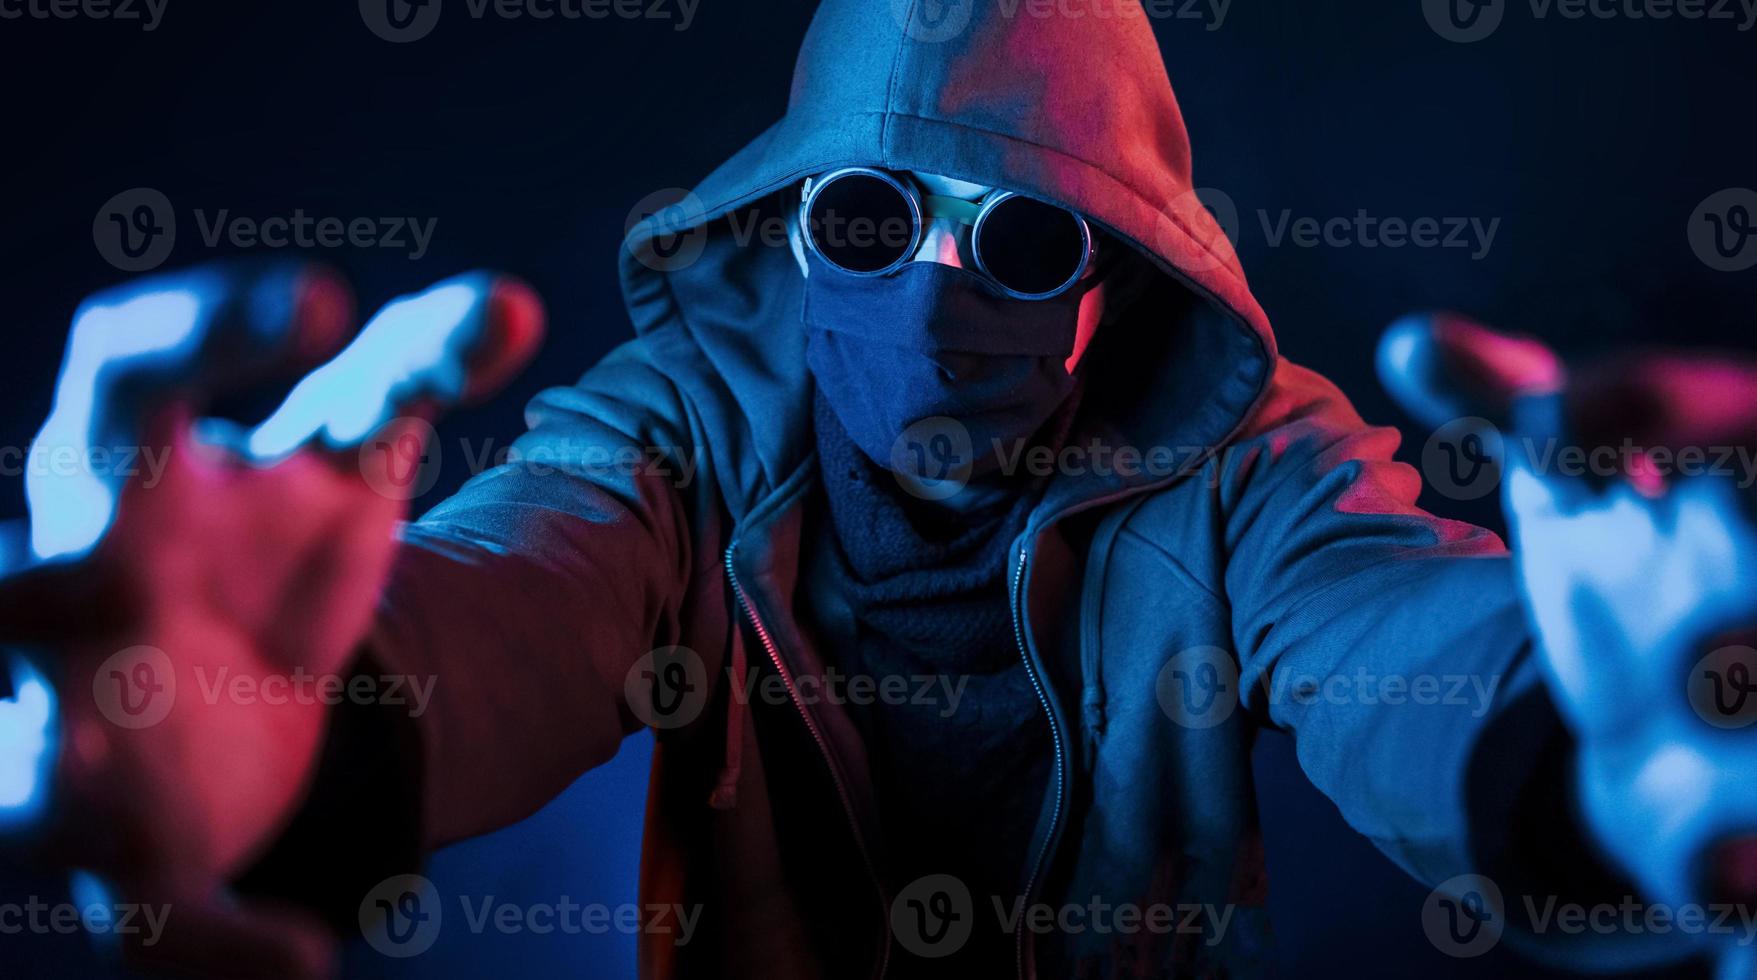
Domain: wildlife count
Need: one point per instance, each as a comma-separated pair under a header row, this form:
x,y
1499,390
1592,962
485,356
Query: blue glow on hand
x,y
416,347
1623,590
159,339
97,904
72,506
27,735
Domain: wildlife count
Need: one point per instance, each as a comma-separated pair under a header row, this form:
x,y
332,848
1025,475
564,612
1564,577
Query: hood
x,y
1073,110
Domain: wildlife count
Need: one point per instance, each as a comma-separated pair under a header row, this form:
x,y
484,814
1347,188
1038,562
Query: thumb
x,y
1440,367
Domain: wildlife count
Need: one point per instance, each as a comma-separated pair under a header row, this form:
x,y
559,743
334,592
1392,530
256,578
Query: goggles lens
x,y
1031,247
862,223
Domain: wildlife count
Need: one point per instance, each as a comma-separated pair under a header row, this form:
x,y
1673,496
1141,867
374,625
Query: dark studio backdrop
x,y
1585,145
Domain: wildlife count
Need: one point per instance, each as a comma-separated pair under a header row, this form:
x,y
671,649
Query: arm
x,y
529,596
262,556
1338,579
521,605
1334,573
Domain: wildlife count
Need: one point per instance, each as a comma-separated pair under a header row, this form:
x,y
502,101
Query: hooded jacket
x,y
1234,548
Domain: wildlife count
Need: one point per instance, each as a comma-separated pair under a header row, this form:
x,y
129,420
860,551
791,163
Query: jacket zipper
x,y
1060,756
823,746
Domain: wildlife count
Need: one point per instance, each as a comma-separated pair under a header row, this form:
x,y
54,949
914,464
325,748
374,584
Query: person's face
x,y
947,241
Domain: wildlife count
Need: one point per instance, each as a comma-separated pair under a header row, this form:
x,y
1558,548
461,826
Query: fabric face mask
x,y
932,341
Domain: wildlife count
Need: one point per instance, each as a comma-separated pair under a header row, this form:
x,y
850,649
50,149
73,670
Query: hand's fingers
x,y
194,334
1443,367
28,717
515,331
461,338
1529,496
1666,400
178,339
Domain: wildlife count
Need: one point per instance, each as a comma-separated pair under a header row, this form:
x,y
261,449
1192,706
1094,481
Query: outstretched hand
x,y
241,558
1628,494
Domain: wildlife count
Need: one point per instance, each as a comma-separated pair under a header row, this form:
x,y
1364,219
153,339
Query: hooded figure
x,y
1219,538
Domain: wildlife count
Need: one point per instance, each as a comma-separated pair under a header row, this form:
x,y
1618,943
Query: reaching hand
x,y
243,556
1628,493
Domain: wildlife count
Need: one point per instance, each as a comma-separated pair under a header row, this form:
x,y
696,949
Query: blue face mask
x,y
930,341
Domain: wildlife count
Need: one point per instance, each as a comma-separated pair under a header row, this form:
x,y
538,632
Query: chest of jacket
x,y
1145,852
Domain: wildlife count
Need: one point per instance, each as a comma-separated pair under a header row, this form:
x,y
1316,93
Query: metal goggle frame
x,y
921,207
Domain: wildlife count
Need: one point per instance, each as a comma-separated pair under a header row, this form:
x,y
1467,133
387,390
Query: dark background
x,y
1592,141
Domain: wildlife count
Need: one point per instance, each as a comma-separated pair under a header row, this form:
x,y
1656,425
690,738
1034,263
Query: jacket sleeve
x,y
1393,646
526,599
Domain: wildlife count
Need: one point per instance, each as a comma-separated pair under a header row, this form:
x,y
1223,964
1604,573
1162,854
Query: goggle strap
x,y
959,210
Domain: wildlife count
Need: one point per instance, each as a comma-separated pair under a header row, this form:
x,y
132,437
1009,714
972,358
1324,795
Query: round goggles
x,y
867,222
